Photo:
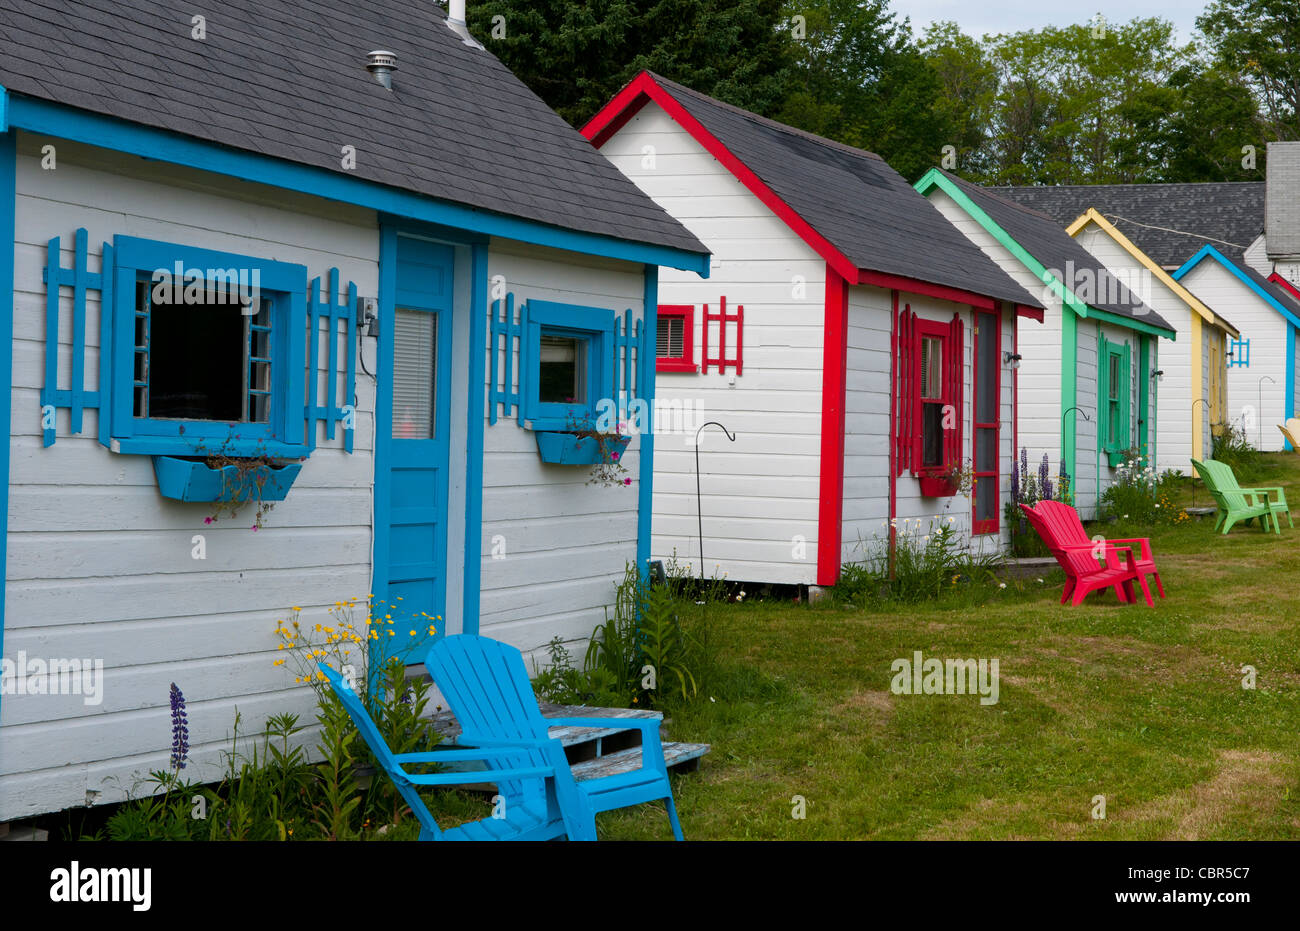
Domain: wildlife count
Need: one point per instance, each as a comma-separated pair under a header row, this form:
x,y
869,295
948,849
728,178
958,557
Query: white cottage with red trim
x,y
859,347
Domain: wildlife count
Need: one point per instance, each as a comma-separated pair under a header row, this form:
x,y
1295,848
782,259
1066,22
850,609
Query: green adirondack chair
x,y
1236,503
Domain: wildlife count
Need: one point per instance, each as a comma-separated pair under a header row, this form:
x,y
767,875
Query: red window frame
x,y
686,312
993,524
909,438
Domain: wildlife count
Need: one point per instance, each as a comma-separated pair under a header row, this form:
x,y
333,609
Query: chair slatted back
x,y
1222,485
1056,532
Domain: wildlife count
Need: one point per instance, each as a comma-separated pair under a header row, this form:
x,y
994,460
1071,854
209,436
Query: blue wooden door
x,y
412,476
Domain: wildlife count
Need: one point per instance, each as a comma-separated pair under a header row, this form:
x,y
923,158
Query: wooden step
x,y
682,755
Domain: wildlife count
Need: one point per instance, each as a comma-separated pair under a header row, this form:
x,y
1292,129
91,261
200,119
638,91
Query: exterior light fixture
x,y
1012,359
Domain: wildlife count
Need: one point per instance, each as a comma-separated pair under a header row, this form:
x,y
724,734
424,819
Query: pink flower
x,y
255,528
627,481
208,520
614,456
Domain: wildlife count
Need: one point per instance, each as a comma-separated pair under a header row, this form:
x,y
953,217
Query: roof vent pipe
x,y
456,23
382,64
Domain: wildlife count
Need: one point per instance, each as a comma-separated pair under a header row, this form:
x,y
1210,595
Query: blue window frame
x,y
1239,353
204,347
578,345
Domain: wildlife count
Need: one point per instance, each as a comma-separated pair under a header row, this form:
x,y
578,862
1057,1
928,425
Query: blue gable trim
x,y
4,109
8,193
473,570
1211,252
65,122
646,392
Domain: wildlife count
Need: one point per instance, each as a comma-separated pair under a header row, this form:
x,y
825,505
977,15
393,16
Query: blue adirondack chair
x,y
487,687
525,780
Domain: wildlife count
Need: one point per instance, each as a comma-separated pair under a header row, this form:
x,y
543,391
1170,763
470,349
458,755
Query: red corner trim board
x,y
830,509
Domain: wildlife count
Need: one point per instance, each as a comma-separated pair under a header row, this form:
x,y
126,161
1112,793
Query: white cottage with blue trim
x,y
234,242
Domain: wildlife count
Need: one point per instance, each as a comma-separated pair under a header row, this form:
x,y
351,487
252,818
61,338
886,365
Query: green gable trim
x,y
1137,326
936,178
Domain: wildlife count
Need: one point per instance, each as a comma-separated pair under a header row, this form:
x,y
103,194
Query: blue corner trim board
x,y
646,391
1211,252
473,572
1290,377
39,116
4,109
8,193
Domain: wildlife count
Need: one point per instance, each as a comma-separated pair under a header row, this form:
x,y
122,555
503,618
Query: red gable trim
x,y
1279,279
632,98
629,101
830,510
1033,313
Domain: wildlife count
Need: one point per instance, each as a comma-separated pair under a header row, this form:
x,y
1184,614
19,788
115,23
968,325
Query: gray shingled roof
x,y
287,78
1045,239
1227,215
864,208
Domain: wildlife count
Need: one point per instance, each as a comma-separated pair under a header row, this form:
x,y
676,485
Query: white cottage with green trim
x,y
1086,378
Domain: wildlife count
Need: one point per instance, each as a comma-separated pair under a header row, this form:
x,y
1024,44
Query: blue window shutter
x,y
332,407
81,280
503,333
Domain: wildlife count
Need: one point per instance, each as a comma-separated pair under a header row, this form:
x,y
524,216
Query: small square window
x,y
675,338
201,351
567,354
562,369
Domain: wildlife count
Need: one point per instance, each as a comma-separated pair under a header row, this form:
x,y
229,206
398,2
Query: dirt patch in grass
x,y
1244,781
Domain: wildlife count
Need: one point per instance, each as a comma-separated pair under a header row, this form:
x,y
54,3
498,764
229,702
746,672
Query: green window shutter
x,y
1103,383
1126,399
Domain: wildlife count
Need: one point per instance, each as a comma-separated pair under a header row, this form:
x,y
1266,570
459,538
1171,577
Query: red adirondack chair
x,y
1059,526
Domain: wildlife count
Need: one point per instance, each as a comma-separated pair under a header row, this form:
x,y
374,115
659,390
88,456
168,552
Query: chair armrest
x,y
1145,543
493,776
456,756
1263,492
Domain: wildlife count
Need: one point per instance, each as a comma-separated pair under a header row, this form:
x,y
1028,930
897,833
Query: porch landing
x,y
599,751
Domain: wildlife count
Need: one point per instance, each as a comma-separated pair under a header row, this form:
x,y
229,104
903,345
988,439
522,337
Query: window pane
x,y
1114,377
562,370
1112,421
196,358
931,368
932,434
986,375
986,450
986,499
415,367
669,338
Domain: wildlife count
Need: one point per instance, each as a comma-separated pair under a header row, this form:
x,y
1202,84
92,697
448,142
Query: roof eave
x,y
108,132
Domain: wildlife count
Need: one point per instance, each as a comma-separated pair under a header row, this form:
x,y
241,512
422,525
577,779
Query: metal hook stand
x,y
699,512
1076,436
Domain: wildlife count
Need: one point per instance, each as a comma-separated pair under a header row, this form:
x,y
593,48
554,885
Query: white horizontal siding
x,y
565,542
100,565
759,494
1256,392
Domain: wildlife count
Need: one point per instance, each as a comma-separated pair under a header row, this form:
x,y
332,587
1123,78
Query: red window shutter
x,y
955,378
721,360
905,391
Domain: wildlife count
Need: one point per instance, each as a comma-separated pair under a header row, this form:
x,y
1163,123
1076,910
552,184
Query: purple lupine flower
x,y
1024,463
180,732
1015,482
1044,481
1047,489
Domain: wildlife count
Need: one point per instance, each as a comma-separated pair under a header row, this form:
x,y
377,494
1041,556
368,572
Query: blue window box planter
x,y
571,449
188,480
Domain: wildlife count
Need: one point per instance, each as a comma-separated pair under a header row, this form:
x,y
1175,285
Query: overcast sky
x,y
977,17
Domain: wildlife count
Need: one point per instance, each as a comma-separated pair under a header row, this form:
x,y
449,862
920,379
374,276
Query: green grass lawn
x,y
1143,706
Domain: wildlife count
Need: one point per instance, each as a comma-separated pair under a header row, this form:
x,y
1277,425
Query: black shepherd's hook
x,y
699,513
